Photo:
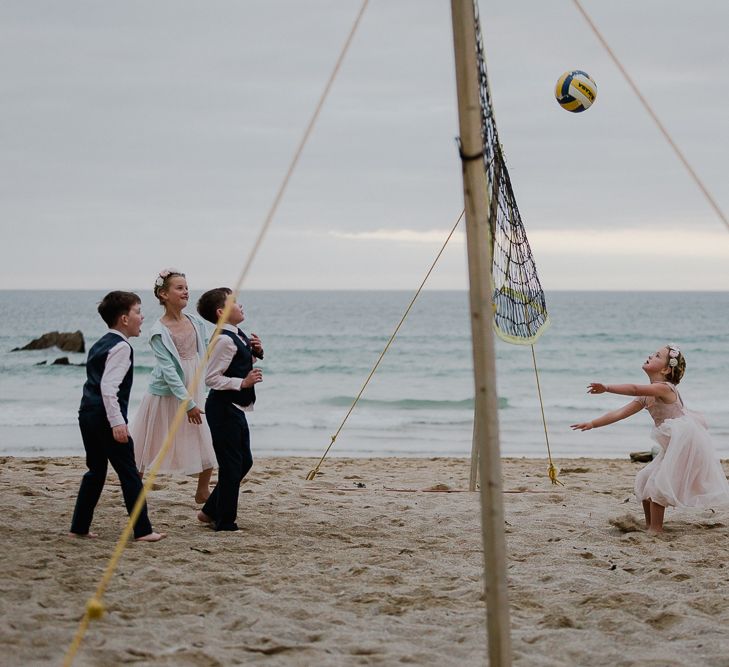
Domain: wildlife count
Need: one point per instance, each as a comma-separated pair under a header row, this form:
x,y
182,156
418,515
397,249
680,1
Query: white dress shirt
x,y
223,352
118,361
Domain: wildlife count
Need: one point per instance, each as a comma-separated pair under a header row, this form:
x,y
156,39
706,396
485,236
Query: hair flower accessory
x,y
673,354
163,274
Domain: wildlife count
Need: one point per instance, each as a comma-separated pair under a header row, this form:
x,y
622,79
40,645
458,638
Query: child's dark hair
x,y
675,372
115,304
210,301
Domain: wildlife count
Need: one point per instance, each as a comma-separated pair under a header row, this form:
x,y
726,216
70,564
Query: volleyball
x,y
575,91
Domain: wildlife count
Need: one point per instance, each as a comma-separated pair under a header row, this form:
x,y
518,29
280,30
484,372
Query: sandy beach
x,y
330,572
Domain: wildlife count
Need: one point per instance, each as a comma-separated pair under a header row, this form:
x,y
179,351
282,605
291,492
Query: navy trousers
x,y
102,449
232,445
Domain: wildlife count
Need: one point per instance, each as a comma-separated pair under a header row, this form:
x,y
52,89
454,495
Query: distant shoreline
x,y
146,288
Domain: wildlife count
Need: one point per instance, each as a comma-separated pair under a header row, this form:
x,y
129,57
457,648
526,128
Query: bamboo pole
x,y
479,271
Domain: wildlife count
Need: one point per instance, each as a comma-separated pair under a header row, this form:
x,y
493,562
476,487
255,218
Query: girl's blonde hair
x,y
162,281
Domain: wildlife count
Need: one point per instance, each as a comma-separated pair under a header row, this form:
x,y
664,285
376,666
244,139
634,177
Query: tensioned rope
x,y
652,114
313,472
94,606
520,311
520,308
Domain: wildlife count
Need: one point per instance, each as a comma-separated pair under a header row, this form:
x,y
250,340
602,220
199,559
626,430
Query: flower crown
x,y
164,274
673,355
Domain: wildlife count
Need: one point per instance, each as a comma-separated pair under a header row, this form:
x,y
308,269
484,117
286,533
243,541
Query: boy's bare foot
x,y
201,497
152,537
204,518
228,527
85,535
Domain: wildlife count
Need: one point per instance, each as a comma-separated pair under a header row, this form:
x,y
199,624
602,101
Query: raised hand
x,y
256,345
254,377
584,426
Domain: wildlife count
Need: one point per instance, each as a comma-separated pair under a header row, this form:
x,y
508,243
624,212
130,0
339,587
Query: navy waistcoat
x,y
240,365
91,400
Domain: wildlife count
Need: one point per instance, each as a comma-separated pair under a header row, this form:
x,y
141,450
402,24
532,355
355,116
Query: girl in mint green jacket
x,y
178,341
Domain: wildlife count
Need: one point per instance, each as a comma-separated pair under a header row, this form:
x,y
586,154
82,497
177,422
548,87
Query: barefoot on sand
x,y
315,559
152,537
85,535
203,518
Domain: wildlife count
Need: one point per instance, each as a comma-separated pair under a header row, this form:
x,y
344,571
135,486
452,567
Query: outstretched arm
x,y
656,389
610,417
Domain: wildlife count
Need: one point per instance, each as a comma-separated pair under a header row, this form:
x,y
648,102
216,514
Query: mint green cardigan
x,y
168,378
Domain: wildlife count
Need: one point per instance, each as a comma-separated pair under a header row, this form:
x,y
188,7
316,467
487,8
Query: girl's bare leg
x,y
647,512
203,486
657,512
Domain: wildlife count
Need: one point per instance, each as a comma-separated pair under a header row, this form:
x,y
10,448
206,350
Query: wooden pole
x,y
486,427
473,476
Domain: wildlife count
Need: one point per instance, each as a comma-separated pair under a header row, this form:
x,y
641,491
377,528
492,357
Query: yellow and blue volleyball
x,y
575,91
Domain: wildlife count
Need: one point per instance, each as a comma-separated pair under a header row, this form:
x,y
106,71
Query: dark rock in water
x,y
641,457
41,363
67,341
61,361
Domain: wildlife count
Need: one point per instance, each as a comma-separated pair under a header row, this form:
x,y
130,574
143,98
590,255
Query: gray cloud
x,y
141,134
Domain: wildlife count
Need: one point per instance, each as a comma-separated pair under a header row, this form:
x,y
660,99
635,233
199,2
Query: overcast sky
x,y
139,135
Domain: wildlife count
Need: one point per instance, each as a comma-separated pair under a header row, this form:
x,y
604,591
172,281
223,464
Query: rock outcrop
x,y
66,341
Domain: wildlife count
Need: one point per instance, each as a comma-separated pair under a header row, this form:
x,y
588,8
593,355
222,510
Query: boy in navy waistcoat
x,y
231,378
102,416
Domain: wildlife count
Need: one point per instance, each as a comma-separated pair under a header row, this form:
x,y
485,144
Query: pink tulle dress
x,y
191,451
687,471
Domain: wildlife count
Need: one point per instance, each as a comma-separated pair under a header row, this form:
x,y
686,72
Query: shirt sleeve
x,y
118,362
223,352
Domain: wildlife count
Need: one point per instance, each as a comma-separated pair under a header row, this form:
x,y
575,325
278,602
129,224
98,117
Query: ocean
x,y
321,345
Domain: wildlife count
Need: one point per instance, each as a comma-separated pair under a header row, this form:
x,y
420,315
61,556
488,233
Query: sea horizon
x,y
362,289
321,345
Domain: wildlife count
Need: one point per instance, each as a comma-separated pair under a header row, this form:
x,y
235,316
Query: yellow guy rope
x,y
95,606
313,472
552,471
653,115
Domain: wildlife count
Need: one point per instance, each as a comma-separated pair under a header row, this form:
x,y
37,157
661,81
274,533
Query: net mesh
x,y
520,309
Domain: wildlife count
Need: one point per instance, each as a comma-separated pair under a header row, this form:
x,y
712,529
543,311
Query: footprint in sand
x,y
626,523
663,620
716,524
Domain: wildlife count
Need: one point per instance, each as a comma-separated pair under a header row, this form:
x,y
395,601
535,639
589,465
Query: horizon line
x,y
358,289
